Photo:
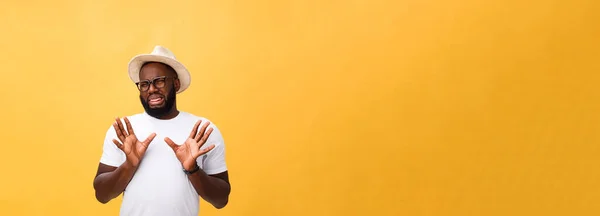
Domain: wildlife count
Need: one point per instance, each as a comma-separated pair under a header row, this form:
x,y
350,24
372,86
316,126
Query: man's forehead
x,y
151,70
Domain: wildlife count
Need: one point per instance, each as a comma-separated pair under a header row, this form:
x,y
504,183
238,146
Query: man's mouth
x,y
155,100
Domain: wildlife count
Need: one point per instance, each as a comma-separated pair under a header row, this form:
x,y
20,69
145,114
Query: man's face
x,y
158,86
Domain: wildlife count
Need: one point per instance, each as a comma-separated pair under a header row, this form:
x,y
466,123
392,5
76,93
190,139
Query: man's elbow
x,y
224,201
102,199
221,204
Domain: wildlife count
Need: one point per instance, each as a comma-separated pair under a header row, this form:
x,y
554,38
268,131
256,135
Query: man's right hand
x,y
133,148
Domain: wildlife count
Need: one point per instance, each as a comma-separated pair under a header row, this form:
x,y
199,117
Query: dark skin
x,y
110,181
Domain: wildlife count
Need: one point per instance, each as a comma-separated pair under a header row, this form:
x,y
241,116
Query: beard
x,y
160,111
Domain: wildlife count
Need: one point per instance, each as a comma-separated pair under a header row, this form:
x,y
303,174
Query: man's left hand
x,y
189,151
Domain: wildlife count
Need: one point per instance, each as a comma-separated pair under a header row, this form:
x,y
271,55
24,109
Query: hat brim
x,y
136,63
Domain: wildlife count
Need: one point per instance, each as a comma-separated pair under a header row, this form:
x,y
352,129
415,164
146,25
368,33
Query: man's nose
x,y
152,88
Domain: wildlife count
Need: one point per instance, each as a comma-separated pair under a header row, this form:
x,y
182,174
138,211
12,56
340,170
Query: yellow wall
x,y
403,107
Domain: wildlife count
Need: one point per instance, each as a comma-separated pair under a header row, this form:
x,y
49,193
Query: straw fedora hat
x,y
162,55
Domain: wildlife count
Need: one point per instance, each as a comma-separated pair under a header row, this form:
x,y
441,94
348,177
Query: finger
x,y
119,132
149,139
123,131
195,129
118,144
201,132
171,143
129,128
205,137
204,151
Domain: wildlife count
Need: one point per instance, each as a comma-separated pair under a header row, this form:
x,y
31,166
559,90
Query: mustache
x,y
156,94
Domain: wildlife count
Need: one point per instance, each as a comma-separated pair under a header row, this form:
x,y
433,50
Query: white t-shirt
x,y
159,186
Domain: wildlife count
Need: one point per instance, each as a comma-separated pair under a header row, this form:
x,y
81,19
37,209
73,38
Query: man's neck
x,y
171,114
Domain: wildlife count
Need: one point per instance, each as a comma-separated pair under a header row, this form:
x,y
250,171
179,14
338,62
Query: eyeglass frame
x,y
152,82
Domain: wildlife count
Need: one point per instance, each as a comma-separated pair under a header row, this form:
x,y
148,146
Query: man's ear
x,y
177,85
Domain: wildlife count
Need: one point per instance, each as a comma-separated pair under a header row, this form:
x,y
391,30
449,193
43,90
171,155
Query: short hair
x,y
169,68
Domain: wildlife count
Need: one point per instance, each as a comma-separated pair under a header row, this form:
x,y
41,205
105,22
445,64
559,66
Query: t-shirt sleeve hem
x,y
216,171
110,163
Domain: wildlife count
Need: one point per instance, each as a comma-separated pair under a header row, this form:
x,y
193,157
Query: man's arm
x,y
111,181
211,182
119,160
214,189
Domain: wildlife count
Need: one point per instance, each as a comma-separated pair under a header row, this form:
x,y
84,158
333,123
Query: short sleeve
x,y
111,155
213,162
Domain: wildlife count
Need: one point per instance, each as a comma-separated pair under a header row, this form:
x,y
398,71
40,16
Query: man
x,y
163,159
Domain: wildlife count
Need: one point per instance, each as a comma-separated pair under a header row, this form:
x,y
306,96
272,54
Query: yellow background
x,y
403,107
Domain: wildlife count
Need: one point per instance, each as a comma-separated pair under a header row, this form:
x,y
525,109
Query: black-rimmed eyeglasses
x,y
158,82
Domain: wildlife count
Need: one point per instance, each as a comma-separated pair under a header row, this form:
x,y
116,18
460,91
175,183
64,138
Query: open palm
x,y
189,151
133,148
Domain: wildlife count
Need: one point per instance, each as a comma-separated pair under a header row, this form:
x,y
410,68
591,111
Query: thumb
x,y
149,139
198,154
204,151
171,143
